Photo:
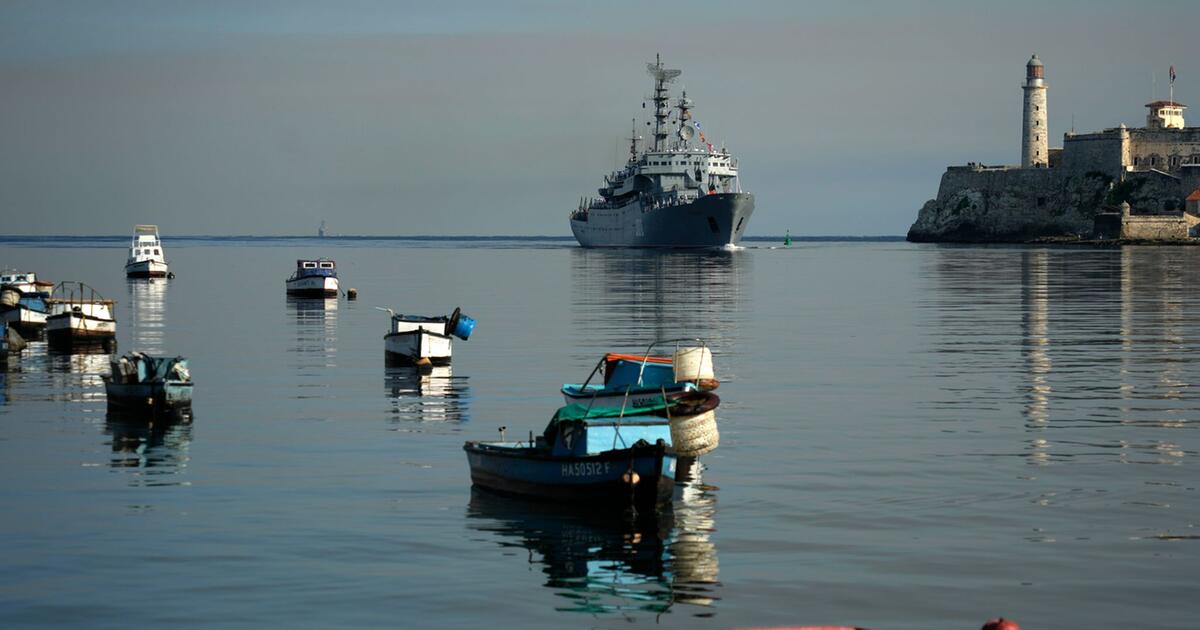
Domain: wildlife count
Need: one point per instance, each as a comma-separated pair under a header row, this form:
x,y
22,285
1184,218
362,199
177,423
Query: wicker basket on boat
x,y
696,434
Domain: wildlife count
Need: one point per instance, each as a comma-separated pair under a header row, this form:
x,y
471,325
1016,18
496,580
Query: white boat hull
x,y
78,328
313,286
417,347
24,318
148,268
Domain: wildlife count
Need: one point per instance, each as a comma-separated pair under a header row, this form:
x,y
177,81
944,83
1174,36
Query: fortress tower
x,y
1035,146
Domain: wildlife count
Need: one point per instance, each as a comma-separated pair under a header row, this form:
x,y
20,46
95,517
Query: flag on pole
x,y
1172,74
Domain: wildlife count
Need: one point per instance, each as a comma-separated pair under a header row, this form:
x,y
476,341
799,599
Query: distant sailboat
x,y
321,230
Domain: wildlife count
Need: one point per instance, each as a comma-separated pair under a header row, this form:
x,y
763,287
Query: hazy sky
x,y
482,117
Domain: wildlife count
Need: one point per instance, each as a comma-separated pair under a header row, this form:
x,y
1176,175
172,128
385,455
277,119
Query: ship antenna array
x,y
662,76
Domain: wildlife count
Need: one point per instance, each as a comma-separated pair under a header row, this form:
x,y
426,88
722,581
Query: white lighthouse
x,y
1035,146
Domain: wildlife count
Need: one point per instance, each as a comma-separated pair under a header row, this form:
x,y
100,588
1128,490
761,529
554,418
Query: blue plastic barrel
x,y
460,325
465,326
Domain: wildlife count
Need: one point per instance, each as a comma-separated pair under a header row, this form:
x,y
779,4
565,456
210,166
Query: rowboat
x,y
631,381
424,340
591,455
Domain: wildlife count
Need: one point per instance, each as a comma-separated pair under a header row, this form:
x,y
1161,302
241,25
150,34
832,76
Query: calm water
x,y
912,437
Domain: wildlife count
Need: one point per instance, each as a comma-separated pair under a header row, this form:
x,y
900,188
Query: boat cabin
x,y
145,244
312,268
577,430
17,278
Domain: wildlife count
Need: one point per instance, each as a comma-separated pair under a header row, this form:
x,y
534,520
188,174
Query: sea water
x,y
912,436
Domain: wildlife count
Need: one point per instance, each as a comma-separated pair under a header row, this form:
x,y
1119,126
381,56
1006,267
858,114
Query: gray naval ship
x,y
678,192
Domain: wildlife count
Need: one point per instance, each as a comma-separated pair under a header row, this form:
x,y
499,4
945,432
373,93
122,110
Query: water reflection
x,y
148,313
156,449
1104,340
427,395
315,321
622,297
77,377
606,562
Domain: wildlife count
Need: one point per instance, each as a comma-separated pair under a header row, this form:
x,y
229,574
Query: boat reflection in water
x,y
316,342
624,296
156,447
431,394
609,562
148,313
77,377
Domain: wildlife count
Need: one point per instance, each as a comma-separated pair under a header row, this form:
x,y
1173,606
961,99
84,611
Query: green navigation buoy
x,y
787,239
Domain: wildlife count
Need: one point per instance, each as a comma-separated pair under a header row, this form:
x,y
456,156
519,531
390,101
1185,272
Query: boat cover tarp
x,y
149,369
577,411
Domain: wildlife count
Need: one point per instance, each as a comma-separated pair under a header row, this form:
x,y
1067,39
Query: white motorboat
x,y
314,278
146,257
423,340
80,316
25,282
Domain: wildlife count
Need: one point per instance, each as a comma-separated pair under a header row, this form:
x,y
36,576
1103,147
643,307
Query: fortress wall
x,y
1101,152
1155,228
1183,145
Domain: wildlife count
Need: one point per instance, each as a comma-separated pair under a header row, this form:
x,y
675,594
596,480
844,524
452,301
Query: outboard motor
x,y
459,324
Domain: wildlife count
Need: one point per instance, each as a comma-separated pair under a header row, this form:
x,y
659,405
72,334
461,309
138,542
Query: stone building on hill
x,y
1060,192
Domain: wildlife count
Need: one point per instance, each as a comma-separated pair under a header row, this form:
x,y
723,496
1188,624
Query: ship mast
x,y
633,140
662,76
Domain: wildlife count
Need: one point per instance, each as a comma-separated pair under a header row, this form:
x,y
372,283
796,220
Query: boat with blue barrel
x,y
631,381
592,455
143,383
313,279
424,340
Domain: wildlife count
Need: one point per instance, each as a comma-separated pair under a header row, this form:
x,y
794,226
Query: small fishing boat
x,y
146,257
313,278
631,381
142,383
23,303
423,340
594,456
80,316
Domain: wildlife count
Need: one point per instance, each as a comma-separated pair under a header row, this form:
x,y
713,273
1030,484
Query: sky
x,y
477,117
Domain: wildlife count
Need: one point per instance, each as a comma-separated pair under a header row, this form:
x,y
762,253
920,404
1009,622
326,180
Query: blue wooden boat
x,y
142,383
631,381
583,456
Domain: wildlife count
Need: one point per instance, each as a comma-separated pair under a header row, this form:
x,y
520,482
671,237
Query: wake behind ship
x,y
675,193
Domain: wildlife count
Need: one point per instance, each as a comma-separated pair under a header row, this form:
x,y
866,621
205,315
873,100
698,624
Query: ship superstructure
x,y
679,191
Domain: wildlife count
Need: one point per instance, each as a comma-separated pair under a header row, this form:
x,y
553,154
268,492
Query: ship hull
x,y
715,220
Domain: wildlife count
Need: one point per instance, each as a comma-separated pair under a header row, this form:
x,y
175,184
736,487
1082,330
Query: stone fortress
x,y
1120,183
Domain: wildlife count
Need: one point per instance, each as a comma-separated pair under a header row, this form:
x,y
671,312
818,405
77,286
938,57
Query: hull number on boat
x,y
585,469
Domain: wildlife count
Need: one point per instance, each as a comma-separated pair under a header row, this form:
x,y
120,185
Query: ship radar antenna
x,y
662,76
